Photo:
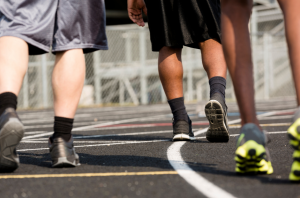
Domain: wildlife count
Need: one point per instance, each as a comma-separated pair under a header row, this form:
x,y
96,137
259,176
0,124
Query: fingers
x,y
137,18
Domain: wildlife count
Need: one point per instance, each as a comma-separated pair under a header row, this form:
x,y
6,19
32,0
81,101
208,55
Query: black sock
x,y
217,84
7,100
178,109
63,128
217,90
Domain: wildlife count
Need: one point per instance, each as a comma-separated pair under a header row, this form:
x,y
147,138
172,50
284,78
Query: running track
x,y
127,152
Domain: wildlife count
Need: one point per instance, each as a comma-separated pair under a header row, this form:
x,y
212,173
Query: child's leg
x,y
171,74
215,110
213,58
13,64
67,81
237,50
292,29
171,71
236,44
290,9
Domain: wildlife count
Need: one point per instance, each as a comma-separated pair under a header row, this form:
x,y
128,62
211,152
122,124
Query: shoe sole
x,y
294,136
295,172
217,131
251,159
10,136
183,137
63,162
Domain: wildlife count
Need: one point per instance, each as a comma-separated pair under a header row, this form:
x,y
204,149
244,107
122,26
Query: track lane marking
x,y
99,125
88,175
203,185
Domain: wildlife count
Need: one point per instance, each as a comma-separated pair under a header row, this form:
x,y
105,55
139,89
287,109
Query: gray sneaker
x,y
216,115
11,133
63,153
183,130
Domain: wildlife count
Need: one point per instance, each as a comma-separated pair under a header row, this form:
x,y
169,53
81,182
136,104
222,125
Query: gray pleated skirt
x,y
59,25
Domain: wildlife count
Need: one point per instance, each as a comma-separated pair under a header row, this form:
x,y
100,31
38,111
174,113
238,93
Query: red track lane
x,y
152,125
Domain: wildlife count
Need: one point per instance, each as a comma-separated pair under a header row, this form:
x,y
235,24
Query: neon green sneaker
x,y
295,172
252,155
294,136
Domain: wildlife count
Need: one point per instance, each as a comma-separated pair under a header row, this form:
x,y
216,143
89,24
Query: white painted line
x,y
277,117
98,125
204,186
120,142
108,135
94,145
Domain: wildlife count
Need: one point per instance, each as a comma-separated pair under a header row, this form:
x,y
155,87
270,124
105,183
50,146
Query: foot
x,y
251,155
183,130
63,153
11,133
294,136
216,114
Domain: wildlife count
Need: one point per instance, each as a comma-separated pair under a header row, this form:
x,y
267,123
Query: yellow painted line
x,y
264,125
87,175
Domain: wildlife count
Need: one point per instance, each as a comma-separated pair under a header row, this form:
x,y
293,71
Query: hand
x,y
135,8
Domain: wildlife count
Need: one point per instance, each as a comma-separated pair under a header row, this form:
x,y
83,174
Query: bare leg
x,y
67,81
13,64
290,10
213,58
171,71
237,50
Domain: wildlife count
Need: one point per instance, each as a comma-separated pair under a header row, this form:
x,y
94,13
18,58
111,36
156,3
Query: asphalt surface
x,y
123,153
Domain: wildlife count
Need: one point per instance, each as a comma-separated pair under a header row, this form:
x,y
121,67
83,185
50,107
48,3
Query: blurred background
x,y
127,73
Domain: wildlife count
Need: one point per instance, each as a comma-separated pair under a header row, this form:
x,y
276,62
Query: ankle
x,y
178,109
63,128
7,100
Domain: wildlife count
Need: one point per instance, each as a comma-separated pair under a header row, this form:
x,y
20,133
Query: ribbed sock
x,y
217,90
62,128
7,100
178,109
217,84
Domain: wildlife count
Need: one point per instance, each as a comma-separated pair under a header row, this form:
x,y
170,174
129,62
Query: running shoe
x,y
294,136
11,133
63,153
183,130
216,114
252,155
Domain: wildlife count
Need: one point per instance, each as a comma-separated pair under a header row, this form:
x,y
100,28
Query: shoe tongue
x,y
252,132
296,115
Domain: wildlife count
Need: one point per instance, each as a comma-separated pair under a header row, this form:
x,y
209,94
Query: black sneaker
x,y
63,153
216,114
11,133
183,130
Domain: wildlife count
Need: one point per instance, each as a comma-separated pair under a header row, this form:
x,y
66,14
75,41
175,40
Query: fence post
x,y
121,91
25,91
128,47
266,66
97,78
143,77
45,80
163,95
271,63
190,75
